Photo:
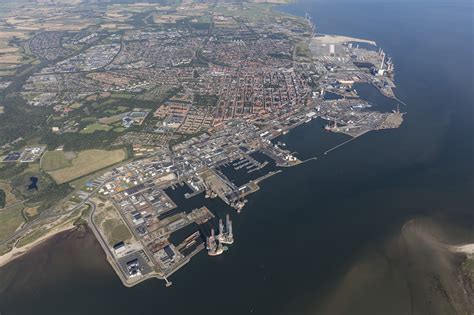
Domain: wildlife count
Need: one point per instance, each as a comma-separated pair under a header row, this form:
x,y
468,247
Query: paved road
x,y
47,215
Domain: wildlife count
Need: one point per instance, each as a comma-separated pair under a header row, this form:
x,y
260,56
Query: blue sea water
x,y
299,236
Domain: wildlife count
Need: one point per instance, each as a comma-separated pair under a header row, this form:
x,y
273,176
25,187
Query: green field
x,y
31,237
115,231
114,110
119,129
253,12
87,162
36,234
54,160
10,220
95,127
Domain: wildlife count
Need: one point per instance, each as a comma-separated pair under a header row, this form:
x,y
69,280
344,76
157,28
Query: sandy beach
x,y
17,252
467,249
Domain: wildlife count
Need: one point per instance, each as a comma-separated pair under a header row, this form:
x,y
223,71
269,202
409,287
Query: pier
x,y
344,143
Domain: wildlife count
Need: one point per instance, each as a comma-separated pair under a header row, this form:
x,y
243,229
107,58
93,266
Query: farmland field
x,y
54,160
11,219
87,162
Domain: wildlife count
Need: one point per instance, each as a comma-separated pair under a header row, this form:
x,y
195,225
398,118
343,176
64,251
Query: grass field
x,y
10,220
95,127
119,129
29,238
10,198
114,110
87,162
54,160
115,231
110,223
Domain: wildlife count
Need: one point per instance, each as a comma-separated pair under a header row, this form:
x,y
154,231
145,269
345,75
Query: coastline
x,y
343,205
467,249
17,252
